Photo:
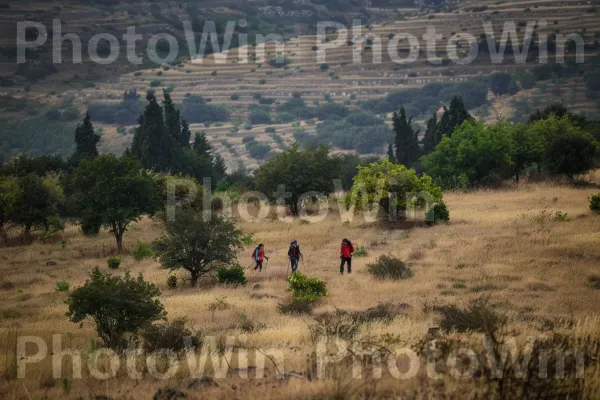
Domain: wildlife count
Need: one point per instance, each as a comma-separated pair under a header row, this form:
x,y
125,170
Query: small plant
x,y
141,251
595,203
114,262
477,317
232,275
360,251
306,289
218,305
155,83
390,267
172,282
560,216
62,286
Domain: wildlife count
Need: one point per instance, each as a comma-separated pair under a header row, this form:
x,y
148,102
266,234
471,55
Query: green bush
x,y
438,213
390,267
172,282
477,317
360,251
595,203
306,289
155,83
114,262
232,275
141,251
62,286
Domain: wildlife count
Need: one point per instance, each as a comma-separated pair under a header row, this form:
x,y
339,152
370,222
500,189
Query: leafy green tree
x,y
393,187
117,306
86,140
10,195
474,151
571,154
406,141
198,245
114,191
152,143
296,172
528,149
558,110
40,198
173,122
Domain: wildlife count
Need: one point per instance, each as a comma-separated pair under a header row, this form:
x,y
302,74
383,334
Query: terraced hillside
x,y
249,83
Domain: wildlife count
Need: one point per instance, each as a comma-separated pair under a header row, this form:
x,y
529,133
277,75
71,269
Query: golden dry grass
x,y
501,243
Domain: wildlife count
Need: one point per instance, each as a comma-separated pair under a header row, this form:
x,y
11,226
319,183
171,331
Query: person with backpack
x,y
294,254
346,255
258,256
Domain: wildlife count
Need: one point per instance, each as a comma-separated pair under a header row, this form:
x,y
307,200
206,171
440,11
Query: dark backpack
x,y
254,254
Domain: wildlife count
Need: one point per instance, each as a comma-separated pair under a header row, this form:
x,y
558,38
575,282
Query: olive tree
x,y
117,305
113,191
197,244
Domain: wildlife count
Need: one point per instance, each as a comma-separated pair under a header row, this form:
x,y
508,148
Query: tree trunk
x,y
119,237
194,278
517,175
27,233
3,234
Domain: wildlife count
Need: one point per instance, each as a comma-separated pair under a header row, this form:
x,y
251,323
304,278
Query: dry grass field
x,y
505,244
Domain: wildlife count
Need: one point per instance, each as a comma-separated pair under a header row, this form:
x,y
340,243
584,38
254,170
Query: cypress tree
x,y
391,156
86,140
406,140
152,144
186,134
219,168
457,114
431,137
201,146
173,121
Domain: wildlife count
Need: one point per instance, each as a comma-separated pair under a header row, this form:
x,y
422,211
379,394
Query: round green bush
x,y
595,203
114,262
232,275
172,282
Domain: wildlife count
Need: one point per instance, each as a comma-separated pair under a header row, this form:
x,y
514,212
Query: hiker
x,y
258,256
294,254
346,255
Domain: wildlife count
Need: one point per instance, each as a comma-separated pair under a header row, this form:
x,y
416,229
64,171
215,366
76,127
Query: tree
x,y
117,306
568,149
453,117
474,152
152,143
294,172
559,110
201,146
376,182
219,168
39,200
571,153
406,140
86,140
502,83
10,195
197,245
528,148
113,191
172,119
432,135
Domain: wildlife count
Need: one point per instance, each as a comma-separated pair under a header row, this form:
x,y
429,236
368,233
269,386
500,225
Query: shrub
x,y
232,275
170,336
360,251
101,299
306,289
114,262
324,67
172,282
595,203
155,83
339,324
295,306
62,286
390,267
235,97
141,251
560,216
477,317
438,213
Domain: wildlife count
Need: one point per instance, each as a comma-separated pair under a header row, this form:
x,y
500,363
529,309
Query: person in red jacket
x,y
346,255
258,256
